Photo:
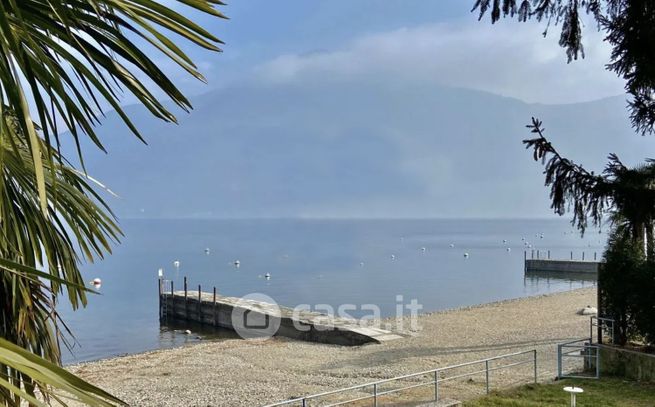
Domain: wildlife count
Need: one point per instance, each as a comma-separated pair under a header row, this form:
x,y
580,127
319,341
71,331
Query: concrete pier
x,y
563,266
234,313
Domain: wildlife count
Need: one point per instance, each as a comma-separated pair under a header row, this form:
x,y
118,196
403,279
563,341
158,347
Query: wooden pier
x,y
266,319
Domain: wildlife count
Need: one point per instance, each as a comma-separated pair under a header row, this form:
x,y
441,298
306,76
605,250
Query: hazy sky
x,y
353,108
426,41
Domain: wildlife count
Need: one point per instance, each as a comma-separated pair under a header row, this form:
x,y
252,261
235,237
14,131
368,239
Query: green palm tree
x,y
62,63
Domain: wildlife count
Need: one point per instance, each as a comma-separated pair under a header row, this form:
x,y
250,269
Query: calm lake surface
x,y
313,262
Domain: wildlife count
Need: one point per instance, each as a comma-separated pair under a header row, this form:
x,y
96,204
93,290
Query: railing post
x,y
172,299
304,402
591,329
559,361
597,362
535,366
436,385
583,256
571,255
548,254
537,254
486,368
375,394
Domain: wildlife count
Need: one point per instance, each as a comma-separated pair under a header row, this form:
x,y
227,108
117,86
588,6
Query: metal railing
x,y
435,381
579,349
603,325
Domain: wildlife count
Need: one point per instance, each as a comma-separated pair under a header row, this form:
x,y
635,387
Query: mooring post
x,y
571,254
199,304
583,256
537,254
215,313
548,254
532,254
594,256
160,294
186,308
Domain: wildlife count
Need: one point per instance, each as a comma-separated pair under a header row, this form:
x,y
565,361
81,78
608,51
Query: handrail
x,y
434,382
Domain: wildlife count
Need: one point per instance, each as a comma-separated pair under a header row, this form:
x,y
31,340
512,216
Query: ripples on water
x,y
314,262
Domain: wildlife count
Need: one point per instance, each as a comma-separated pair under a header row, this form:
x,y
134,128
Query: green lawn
x,y
597,393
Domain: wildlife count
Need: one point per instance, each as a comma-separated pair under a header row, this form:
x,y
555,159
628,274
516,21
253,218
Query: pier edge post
x,y
186,305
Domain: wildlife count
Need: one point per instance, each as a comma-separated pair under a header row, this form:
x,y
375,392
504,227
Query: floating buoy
x,y
237,263
541,236
509,249
466,255
207,251
393,257
188,332
452,245
504,240
361,264
423,249
267,276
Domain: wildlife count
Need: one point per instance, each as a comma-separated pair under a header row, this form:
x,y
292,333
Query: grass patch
x,y
607,392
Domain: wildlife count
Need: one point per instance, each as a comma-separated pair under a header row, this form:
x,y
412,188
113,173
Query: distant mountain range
x,y
351,149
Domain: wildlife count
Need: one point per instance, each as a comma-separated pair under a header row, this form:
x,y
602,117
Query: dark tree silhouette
x,y
629,26
626,194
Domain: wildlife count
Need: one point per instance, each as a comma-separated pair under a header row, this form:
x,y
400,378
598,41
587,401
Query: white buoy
x,y
452,245
188,332
237,263
541,236
267,276
207,251
466,255
509,249
504,240
393,257
423,249
361,264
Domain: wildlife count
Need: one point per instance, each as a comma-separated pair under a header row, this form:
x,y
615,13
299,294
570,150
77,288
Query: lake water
x,y
313,262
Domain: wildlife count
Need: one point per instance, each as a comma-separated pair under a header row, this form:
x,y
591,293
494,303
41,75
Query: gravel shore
x,y
251,373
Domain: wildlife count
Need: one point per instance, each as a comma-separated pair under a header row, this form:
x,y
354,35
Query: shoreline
x,y
382,320
235,371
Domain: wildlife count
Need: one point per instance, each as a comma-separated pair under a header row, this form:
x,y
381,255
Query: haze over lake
x,y
313,262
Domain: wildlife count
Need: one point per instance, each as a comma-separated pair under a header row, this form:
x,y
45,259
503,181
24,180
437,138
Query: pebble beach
x,y
259,372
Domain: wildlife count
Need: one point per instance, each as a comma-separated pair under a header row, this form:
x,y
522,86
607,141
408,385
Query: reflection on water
x,y
315,262
538,280
174,333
